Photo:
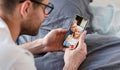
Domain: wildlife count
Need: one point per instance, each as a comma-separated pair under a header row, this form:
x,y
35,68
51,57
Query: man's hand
x,y
73,58
53,41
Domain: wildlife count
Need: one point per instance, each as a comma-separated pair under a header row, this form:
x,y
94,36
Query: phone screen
x,y
77,27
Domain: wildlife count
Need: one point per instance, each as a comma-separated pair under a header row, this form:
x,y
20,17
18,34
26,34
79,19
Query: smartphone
x,y
77,27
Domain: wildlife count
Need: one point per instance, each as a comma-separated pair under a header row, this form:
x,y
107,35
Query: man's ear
x,y
25,8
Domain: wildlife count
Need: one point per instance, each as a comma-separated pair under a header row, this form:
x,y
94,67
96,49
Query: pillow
x,y
106,2
106,19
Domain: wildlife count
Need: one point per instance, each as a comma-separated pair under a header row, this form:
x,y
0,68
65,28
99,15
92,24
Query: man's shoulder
x,y
12,55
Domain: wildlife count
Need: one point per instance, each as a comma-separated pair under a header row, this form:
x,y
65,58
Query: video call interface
x,y
77,27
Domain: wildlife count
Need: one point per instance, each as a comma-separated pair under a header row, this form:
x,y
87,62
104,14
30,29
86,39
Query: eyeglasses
x,y
48,8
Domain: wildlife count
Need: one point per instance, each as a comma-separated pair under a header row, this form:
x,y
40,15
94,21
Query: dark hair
x,y
8,6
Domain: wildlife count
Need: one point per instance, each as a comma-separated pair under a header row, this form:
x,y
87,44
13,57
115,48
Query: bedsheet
x,y
103,54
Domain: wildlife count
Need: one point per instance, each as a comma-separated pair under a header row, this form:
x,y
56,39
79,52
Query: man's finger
x,y
61,30
64,49
81,40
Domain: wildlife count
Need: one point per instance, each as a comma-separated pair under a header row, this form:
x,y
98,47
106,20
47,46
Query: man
x,y
61,17
73,27
24,17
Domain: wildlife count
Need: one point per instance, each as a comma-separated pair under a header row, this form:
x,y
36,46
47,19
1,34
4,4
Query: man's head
x,y
26,14
73,26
